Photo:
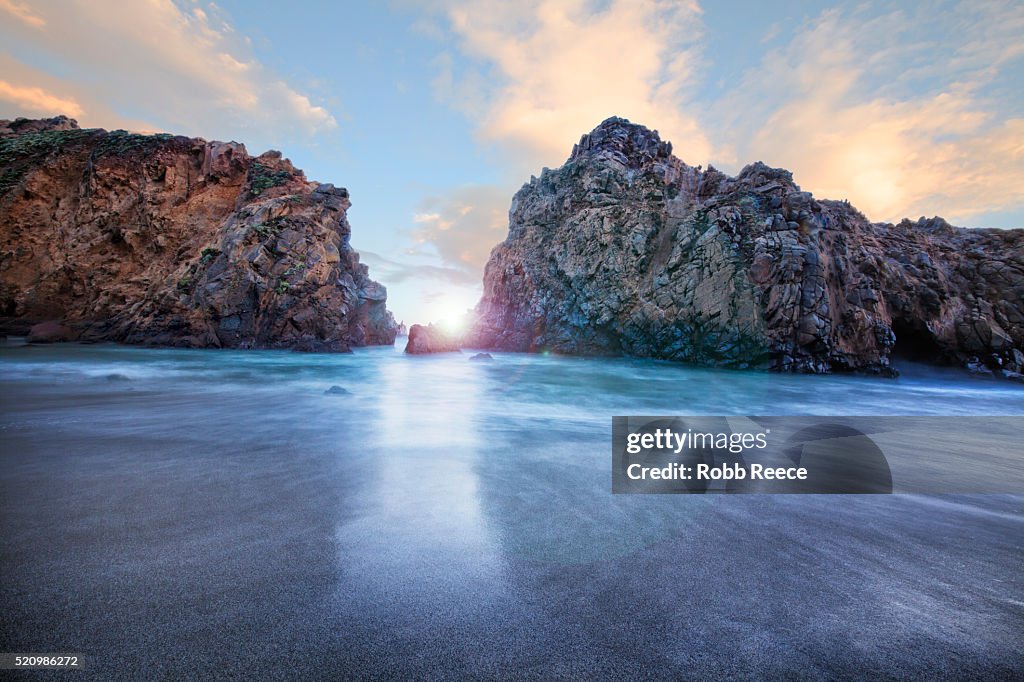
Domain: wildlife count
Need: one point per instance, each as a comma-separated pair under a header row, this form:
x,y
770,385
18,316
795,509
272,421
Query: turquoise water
x,y
512,386
215,512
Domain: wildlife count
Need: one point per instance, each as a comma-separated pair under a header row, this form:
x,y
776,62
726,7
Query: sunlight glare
x,y
453,319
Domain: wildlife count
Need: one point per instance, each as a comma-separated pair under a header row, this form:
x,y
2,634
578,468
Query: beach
x,y
176,513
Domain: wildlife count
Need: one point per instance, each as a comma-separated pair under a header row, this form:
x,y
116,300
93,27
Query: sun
x,y
452,318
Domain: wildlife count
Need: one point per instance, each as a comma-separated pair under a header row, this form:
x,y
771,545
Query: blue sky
x,y
434,113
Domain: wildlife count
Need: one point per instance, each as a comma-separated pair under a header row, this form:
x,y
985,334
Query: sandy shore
x,y
190,530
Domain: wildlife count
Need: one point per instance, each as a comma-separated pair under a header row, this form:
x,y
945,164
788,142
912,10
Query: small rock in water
x,y
482,356
1017,360
431,339
116,377
978,370
336,390
50,332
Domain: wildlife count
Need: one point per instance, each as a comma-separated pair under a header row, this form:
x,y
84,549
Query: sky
x,y
434,113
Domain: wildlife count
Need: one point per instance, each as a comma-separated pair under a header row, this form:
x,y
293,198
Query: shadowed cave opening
x,y
916,343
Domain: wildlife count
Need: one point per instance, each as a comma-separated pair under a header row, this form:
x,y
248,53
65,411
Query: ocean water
x,y
199,513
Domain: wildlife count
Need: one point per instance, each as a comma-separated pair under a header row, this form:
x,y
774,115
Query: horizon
x,y
905,112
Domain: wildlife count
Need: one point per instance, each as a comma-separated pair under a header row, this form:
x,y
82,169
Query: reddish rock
x,y
51,331
20,126
430,339
169,240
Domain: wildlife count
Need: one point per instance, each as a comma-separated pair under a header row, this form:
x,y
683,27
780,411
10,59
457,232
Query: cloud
x,y
391,271
772,33
900,112
59,96
464,224
36,100
22,12
457,228
903,110
550,70
178,67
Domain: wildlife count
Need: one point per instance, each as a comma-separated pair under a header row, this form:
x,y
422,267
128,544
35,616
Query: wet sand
x,y
233,522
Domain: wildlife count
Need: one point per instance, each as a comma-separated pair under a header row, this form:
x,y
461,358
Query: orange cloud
x,y
22,12
885,107
464,224
847,131
188,66
37,100
563,67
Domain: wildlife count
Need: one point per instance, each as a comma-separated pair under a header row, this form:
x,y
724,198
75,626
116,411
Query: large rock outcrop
x,y
175,241
625,249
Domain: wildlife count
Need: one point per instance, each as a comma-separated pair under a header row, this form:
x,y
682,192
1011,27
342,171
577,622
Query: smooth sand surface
x,y
182,527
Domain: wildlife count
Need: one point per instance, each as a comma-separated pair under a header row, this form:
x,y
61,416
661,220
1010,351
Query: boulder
x,y
1012,376
50,332
430,339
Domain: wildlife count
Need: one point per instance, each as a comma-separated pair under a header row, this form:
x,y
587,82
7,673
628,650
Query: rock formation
x,y
430,339
176,241
625,249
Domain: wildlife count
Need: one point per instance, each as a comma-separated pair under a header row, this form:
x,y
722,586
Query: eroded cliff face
x,y
176,241
625,249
